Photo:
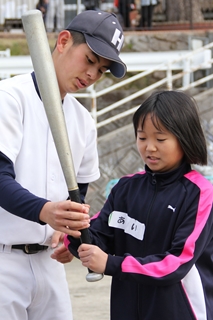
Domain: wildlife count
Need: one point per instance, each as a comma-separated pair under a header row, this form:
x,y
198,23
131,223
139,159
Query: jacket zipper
x,y
154,182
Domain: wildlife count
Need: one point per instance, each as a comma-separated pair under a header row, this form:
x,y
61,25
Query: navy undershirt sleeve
x,y
18,200
13,197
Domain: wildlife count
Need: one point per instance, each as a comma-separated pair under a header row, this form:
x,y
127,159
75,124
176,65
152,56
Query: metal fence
x,y
187,69
182,67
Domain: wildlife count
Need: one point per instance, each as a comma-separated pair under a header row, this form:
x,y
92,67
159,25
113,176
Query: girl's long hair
x,y
177,112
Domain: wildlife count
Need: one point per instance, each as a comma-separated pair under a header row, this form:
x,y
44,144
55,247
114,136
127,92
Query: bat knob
x,y
92,276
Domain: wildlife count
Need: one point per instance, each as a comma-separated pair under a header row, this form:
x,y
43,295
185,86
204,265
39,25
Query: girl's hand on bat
x,y
92,257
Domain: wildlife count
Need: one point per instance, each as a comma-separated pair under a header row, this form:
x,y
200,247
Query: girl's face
x,y
159,149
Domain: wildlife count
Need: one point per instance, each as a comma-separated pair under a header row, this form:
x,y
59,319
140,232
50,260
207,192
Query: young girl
x,y
154,235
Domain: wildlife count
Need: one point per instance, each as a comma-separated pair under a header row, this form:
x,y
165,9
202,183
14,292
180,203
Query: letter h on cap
x,y
116,39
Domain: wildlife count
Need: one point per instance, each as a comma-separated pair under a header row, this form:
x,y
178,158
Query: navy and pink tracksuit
x,y
157,229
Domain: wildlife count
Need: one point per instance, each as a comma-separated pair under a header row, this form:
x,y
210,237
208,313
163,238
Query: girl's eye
x,y
142,139
161,140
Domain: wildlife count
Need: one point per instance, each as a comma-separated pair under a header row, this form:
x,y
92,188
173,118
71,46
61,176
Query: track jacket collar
x,y
165,178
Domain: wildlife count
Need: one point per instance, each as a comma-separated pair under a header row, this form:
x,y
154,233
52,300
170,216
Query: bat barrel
x,y
48,87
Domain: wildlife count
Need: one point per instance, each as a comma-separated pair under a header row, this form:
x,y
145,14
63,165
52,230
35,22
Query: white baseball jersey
x,y
25,138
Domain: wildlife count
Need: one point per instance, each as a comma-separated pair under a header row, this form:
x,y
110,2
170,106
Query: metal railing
x,y
183,66
167,82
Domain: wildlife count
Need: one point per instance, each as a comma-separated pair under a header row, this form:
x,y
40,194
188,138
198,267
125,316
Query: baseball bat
x,y
48,86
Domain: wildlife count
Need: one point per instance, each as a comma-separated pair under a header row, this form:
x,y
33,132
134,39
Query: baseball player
x,y
33,192
55,16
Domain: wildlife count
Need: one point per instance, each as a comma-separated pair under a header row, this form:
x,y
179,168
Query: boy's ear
x,y
64,38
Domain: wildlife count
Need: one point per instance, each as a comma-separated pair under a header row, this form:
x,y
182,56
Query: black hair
x,y
78,37
177,112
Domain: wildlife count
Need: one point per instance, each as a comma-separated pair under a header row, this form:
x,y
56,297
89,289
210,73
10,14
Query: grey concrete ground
x,y
90,300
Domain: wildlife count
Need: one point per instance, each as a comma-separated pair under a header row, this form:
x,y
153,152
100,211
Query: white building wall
x,y
15,8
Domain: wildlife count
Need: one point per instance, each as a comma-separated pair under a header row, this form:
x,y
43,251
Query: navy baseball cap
x,y
104,36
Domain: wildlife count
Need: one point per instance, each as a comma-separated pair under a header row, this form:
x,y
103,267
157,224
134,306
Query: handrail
x,y
187,68
186,63
5,53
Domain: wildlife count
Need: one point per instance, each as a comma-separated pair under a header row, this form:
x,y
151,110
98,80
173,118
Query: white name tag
x,y
121,220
